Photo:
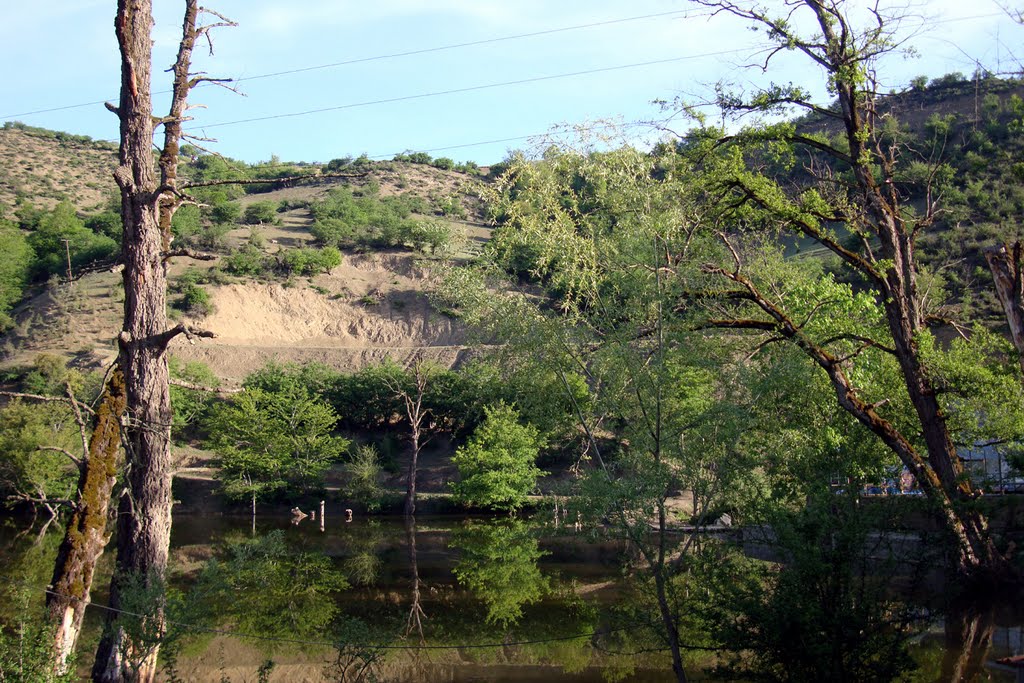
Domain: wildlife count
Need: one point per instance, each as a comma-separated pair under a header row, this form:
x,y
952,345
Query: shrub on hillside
x,y
225,212
259,213
15,267
61,232
307,261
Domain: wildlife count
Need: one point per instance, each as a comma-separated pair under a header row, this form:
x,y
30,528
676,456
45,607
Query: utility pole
x,y
67,251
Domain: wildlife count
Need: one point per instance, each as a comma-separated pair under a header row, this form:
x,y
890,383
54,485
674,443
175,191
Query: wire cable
x,y
393,55
453,91
441,48
472,44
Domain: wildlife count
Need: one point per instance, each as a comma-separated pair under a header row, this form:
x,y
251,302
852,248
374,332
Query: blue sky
x,y
63,52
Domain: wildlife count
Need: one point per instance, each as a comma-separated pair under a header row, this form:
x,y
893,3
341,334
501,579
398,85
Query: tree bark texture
x,y
144,512
86,533
1007,265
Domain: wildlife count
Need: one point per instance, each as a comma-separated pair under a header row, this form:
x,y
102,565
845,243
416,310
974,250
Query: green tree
x,y
259,213
830,596
363,470
911,416
15,268
274,441
187,222
225,212
107,223
27,471
84,246
497,465
26,652
192,406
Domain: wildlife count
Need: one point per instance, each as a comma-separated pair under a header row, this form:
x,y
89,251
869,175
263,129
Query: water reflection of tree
x,y
264,588
968,639
416,613
827,612
499,564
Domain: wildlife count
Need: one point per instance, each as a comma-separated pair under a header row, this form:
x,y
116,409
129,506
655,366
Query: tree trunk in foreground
x,y
86,534
144,512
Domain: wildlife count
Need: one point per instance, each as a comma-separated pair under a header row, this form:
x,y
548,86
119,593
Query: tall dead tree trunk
x,y
415,412
144,512
1007,265
86,534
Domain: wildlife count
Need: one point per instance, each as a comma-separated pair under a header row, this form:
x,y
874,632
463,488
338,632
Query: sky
x,y
589,64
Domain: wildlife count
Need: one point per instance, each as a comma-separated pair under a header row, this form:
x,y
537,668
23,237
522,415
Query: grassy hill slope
x,y
373,305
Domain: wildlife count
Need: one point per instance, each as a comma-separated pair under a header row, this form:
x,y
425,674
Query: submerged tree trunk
x,y
409,508
86,533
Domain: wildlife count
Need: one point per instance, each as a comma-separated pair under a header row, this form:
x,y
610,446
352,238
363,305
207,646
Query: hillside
x,y
45,167
371,306
959,143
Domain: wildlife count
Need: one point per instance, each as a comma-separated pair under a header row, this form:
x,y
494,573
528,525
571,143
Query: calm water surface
x,y
448,600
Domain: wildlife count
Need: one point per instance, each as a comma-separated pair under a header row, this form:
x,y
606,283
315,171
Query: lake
x,y
447,599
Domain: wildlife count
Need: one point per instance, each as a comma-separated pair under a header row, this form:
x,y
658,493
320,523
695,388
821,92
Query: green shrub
x,y
107,224
497,463
363,470
225,212
308,261
259,213
212,236
187,222
15,267
84,246
245,261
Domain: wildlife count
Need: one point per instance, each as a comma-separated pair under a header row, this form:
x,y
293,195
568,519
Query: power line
x,y
393,55
473,43
453,91
680,13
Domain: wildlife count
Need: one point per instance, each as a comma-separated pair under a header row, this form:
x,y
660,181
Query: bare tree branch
x,y
183,251
57,449
46,399
221,391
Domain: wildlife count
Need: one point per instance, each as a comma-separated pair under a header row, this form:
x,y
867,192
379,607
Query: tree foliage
x,y
498,563
60,225
15,268
272,441
497,465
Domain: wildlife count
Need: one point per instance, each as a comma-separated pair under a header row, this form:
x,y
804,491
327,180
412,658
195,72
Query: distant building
x,y
989,469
